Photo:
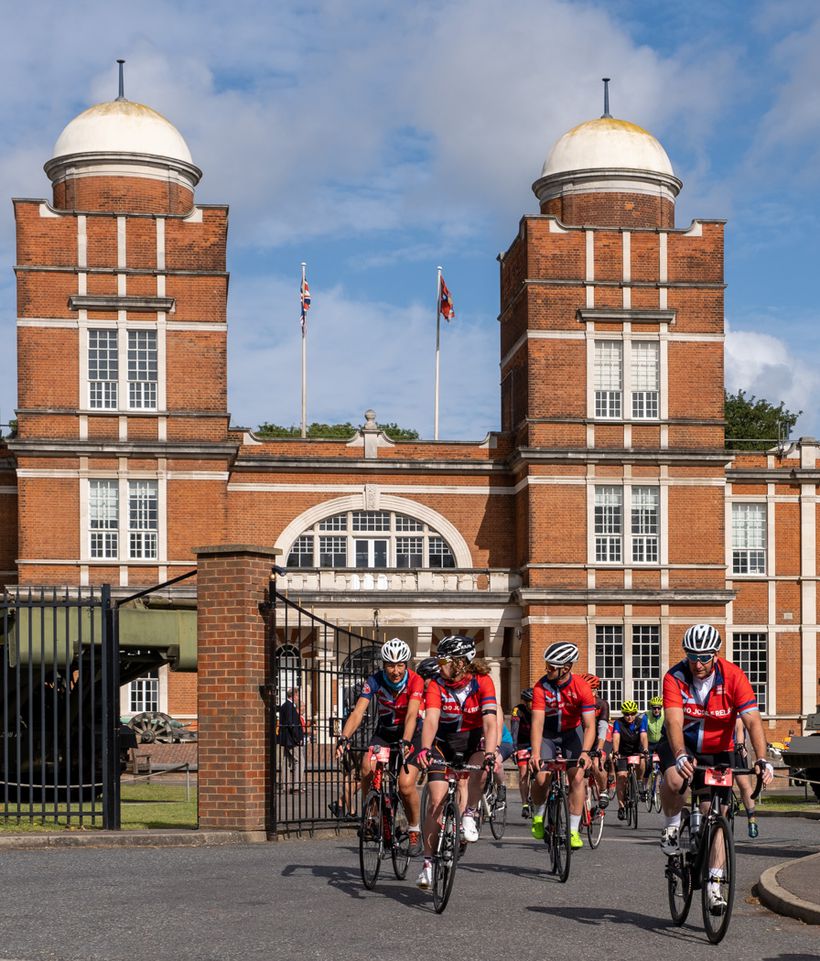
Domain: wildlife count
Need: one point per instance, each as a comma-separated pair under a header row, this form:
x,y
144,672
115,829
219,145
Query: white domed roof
x,y
607,143
121,126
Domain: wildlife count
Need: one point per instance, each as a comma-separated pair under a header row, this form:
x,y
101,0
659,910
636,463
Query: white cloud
x,y
765,366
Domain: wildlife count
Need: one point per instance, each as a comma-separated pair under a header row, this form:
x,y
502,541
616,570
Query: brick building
x,y
606,510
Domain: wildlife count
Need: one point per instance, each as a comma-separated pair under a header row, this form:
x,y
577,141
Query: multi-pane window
x,y
371,521
748,538
409,551
440,553
371,539
609,662
143,517
646,663
608,378
750,652
103,518
645,512
142,369
144,694
608,524
103,369
645,379
301,553
332,551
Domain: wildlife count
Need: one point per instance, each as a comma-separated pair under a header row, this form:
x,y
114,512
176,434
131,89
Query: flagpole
x,y
304,358
438,345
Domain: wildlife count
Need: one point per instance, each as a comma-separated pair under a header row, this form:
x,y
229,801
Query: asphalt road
x,y
304,899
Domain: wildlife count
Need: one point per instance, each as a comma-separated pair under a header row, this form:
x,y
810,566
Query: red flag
x,y
305,299
445,305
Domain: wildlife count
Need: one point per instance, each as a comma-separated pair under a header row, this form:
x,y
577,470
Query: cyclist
x,y
629,736
460,709
744,781
703,695
563,716
397,692
603,743
654,729
520,728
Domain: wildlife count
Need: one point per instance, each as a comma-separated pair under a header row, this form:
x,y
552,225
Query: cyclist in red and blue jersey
x,y
703,695
563,716
630,736
460,710
397,692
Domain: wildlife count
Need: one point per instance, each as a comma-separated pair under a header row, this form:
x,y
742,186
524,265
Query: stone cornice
x,y
113,302
535,455
617,315
273,463
616,595
113,448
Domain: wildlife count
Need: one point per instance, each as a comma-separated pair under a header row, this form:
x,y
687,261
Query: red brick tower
x,y
612,384
122,447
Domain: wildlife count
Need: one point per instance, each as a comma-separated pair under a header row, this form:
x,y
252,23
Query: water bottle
x,y
694,829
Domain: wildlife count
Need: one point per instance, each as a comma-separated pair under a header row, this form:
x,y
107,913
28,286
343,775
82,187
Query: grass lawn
x,y
789,802
144,807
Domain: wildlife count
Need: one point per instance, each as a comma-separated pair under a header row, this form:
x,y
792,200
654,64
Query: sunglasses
x,y
656,707
631,714
700,658
443,660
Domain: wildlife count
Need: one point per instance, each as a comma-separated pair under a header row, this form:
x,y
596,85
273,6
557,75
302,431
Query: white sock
x,y
414,827
540,809
715,874
672,821
574,822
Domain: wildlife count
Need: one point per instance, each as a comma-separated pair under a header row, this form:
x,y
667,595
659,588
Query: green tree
x,y
753,423
333,431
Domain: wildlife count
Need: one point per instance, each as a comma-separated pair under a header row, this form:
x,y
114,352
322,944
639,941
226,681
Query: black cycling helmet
x,y
428,668
526,694
456,646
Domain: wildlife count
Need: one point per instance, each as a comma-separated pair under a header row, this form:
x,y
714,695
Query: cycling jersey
x,y
563,704
654,727
709,722
604,725
630,734
521,723
392,705
462,706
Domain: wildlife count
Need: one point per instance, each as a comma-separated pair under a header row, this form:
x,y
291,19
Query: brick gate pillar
x,y
232,662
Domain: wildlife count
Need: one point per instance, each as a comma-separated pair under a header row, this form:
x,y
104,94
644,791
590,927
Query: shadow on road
x,y
599,916
349,881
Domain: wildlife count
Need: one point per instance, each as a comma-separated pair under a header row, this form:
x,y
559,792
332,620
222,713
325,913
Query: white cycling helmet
x,y
562,653
395,651
701,639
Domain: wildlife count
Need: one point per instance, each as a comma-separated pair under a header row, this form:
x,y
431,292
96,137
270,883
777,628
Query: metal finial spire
x,y
606,112
121,95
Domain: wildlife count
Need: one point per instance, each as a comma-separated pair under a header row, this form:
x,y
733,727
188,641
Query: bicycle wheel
x,y
594,817
632,801
650,793
721,845
400,838
370,839
559,825
679,875
446,861
498,811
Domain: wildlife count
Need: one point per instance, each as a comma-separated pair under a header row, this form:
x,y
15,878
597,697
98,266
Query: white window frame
x,y
609,392
628,657
613,547
143,520
645,523
395,527
103,393
143,692
635,400
103,519
155,525
145,392
749,553
143,368
750,651
609,524
645,399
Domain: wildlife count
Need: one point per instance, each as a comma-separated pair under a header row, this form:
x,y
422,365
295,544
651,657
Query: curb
x,y
26,842
808,815
778,899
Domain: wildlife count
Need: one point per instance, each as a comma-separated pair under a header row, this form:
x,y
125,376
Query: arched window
x,y
287,660
371,539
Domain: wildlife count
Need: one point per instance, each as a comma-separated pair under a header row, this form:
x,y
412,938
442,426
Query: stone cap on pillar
x,y
254,549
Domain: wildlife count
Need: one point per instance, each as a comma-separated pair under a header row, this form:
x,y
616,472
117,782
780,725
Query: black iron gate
x,y
59,707
318,670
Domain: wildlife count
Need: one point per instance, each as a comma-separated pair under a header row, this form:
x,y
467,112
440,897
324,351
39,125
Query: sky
x,y
376,141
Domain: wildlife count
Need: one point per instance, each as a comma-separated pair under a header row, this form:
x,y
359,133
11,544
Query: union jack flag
x,y
446,307
304,293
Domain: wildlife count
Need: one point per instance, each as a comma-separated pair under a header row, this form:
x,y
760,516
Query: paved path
x,y
304,899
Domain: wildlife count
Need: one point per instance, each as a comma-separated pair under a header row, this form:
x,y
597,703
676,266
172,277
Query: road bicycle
x,y
446,853
383,830
653,784
631,795
556,816
492,806
706,839
592,816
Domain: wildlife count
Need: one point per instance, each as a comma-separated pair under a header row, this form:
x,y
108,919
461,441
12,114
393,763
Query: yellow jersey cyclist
x,y
654,731
563,717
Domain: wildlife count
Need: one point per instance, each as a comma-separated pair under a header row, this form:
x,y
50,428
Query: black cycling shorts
x,y
569,742
454,749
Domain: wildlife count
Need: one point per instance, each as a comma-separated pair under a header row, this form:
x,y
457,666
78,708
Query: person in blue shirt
x,y
630,737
